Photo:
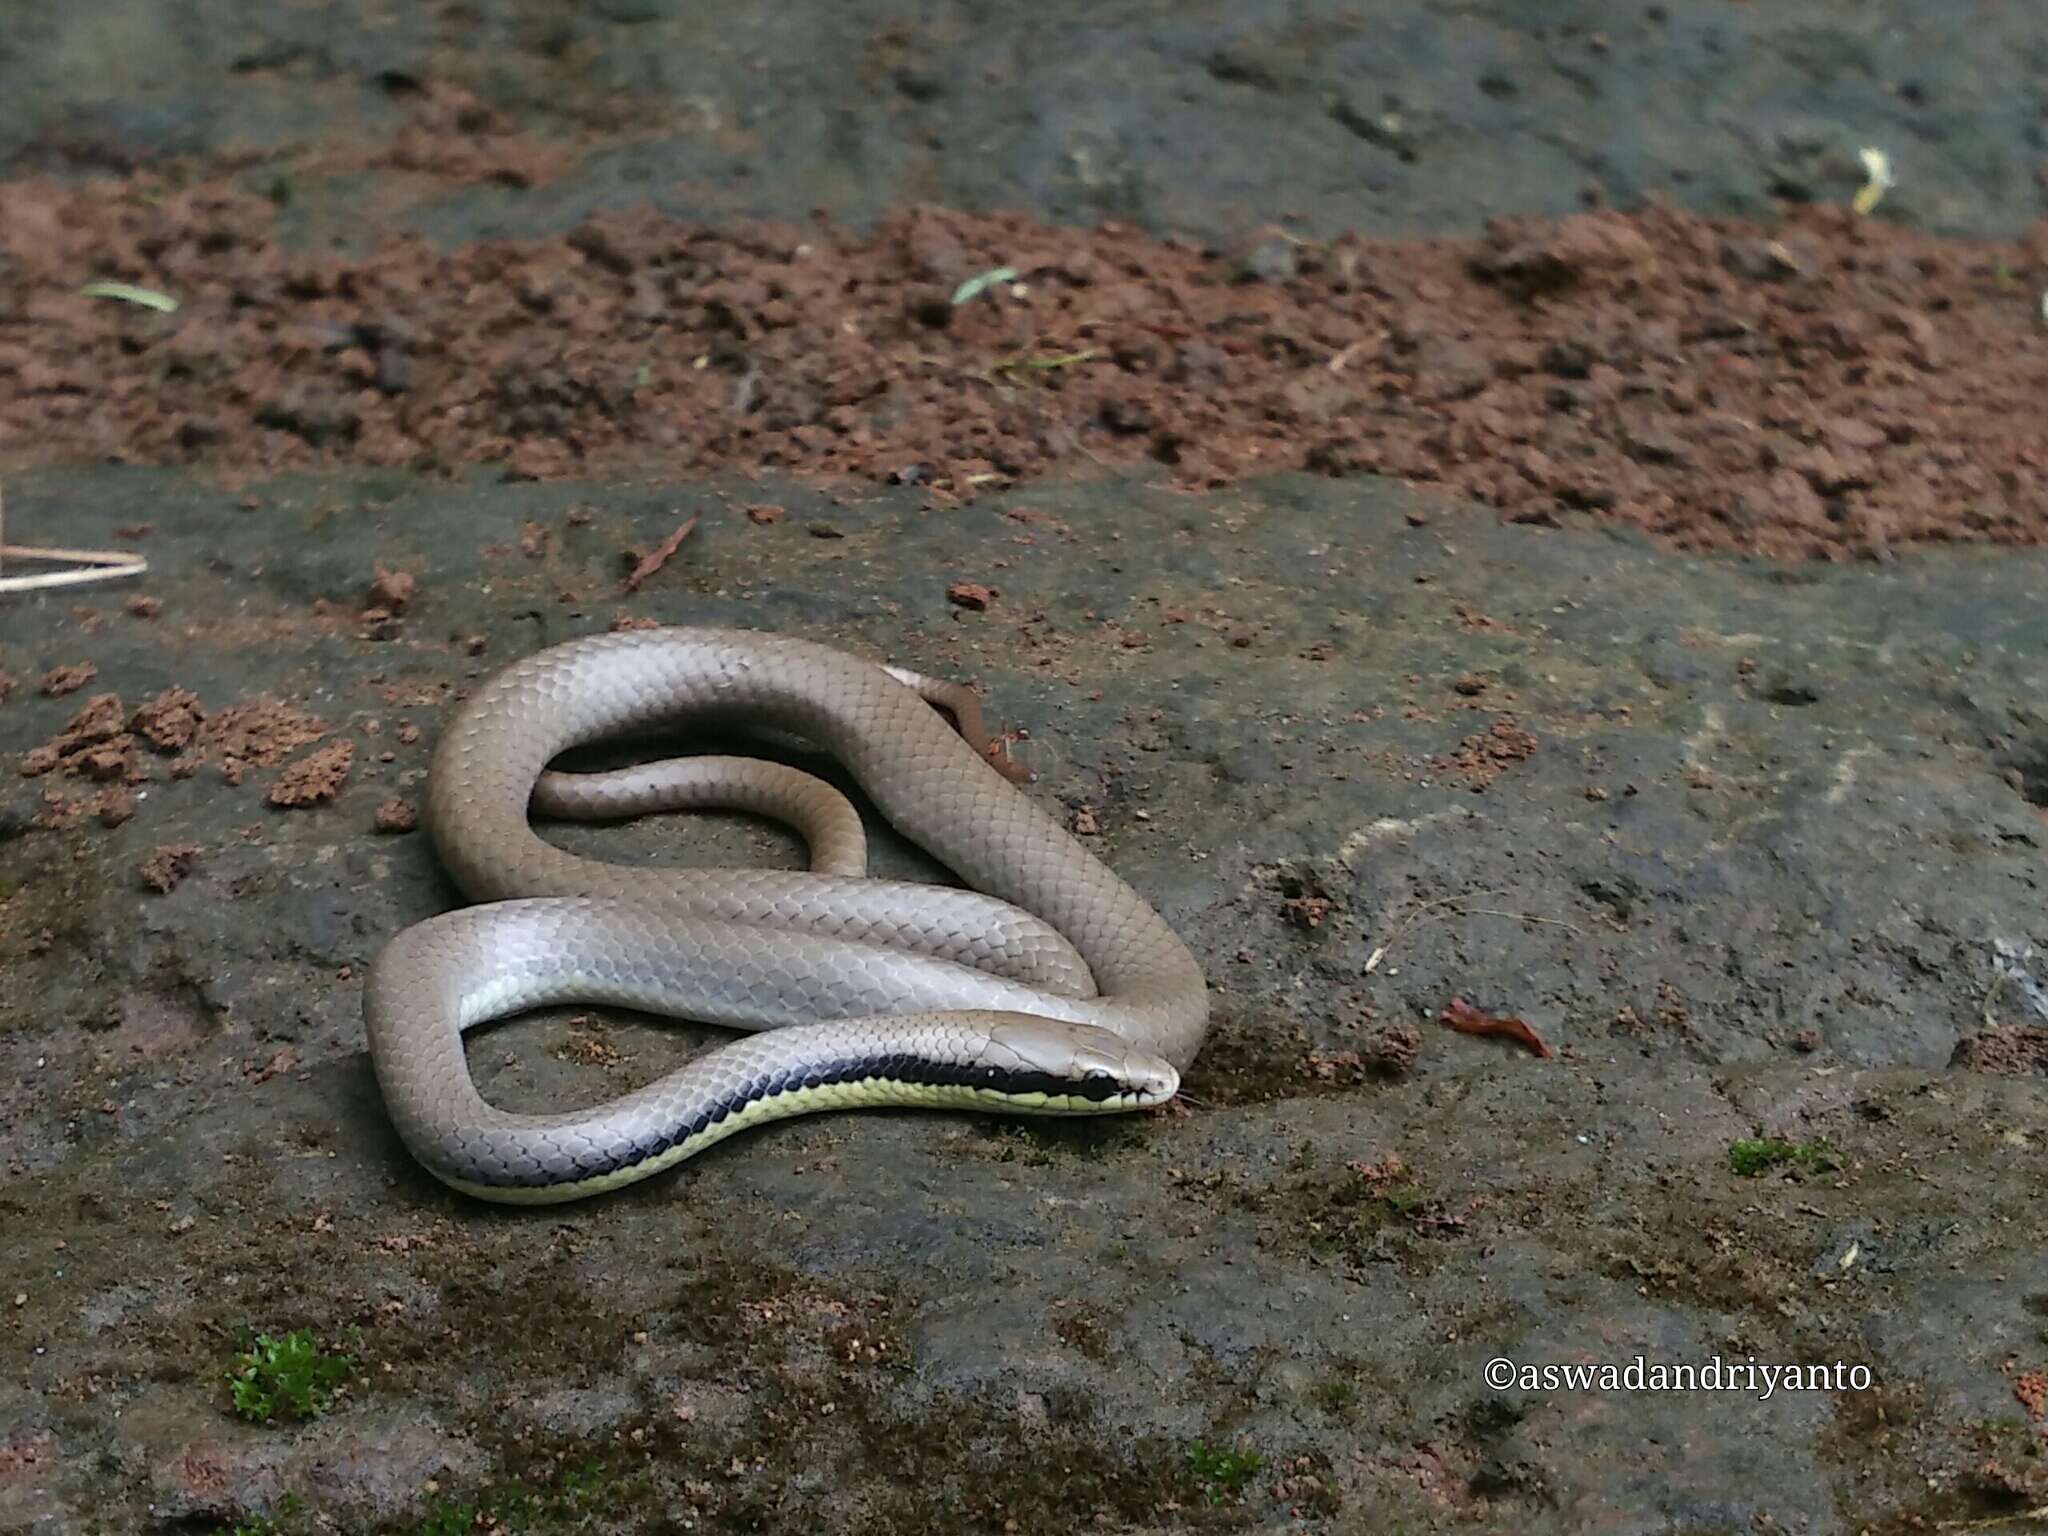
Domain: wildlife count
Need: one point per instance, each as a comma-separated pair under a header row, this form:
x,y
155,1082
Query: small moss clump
x,y
287,1378
1346,1215
1221,1471
1335,1394
446,1519
584,1497
1761,1154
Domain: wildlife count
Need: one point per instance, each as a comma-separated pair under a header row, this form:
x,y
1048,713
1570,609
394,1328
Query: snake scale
x,y
1048,986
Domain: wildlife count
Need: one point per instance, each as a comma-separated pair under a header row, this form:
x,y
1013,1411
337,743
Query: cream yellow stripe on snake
x,y
1047,987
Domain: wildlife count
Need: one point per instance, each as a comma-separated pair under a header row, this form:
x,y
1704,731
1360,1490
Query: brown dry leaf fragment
x,y
649,564
315,777
143,607
970,594
1085,823
165,866
764,513
1463,1017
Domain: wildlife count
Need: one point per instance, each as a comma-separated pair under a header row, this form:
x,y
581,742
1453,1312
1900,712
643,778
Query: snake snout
x,y
1099,1063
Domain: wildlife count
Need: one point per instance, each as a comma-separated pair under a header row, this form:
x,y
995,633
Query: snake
x,y
1040,984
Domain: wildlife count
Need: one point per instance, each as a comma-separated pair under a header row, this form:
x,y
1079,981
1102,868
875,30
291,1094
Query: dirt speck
x,y
1306,912
261,732
316,777
21,1454
170,721
167,864
1484,756
390,591
86,747
397,815
59,681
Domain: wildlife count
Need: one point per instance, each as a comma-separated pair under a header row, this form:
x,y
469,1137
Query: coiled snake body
x,y
1049,987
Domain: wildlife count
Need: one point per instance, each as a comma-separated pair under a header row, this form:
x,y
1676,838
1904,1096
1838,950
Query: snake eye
x,y
989,1074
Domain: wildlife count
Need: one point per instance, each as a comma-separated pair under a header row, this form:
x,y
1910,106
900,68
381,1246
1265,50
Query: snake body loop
x,y
1048,987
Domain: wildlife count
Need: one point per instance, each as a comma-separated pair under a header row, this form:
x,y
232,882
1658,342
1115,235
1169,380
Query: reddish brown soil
x,y
1836,387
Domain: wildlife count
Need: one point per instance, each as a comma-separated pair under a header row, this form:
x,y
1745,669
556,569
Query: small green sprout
x,y
1878,180
292,1377
1221,1471
982,281
128,293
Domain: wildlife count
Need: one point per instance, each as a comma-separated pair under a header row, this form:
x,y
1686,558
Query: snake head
x,y
1079,1068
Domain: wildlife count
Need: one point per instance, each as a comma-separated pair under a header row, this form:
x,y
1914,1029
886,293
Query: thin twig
x,y
649,564
101,564
1042,364
1524,917
72,578
1459,904
2038,1512
1373,960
